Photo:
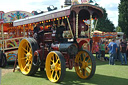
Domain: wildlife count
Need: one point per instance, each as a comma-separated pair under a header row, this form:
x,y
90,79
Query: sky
x,y
111,6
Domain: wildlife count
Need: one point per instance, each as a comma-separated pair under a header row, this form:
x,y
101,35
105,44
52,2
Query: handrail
x,y
12,42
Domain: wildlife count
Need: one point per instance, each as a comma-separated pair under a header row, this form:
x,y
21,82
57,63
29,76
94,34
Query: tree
x,y
123,16
104,24
118,29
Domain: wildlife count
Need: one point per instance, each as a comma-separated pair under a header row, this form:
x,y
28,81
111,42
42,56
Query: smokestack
x,y
67,2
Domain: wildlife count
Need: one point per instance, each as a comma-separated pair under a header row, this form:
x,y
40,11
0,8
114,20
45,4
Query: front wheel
x,y
85,64
55,66
26,58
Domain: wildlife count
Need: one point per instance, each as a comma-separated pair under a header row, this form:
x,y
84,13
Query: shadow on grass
x,y
40,74
71,78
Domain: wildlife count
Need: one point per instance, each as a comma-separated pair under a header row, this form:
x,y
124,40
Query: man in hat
x,y
59,32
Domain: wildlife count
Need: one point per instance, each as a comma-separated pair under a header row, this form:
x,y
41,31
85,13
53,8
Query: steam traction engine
x,y
64,44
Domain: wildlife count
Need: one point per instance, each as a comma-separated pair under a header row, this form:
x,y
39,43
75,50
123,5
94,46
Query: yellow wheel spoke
x,y
53,59
30,64
81,69
30,50
25,67
88,59
29,60
27,46
57,61
87,71
59,68
24,53
52,73
24,49
83,56
89,63
89,68
23,58
55,75
84,73
56,57
80,60
31,55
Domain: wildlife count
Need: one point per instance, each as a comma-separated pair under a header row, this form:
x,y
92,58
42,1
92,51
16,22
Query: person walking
x,y
112,51
123,46
102,46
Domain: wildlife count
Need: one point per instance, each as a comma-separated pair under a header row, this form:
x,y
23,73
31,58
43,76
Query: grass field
x,y
105,75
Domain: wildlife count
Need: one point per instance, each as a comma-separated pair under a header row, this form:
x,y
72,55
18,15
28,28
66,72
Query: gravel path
x,y
6,70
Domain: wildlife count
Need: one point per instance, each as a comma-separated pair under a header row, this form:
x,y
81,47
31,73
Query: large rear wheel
x,y
26,51
85,64
55,66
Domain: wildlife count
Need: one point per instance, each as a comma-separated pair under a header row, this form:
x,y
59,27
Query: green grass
x,y
105,75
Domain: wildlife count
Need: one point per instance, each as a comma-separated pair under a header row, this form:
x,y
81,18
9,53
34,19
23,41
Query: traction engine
x,y
54,51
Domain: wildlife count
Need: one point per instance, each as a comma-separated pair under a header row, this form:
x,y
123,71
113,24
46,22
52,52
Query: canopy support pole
x,y
95,27
91,26
76,25
70,27
24,31
2,32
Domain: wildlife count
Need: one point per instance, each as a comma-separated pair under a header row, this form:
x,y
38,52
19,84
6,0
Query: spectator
x,y
96,49
127,50
123,48
102,47
118,54
112,51
106,46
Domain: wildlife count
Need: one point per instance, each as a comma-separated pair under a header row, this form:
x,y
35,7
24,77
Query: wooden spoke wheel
x,y
26,56
85,64
55,66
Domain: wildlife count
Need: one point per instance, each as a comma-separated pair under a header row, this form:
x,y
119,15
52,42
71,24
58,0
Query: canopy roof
x,y
58,13
45,16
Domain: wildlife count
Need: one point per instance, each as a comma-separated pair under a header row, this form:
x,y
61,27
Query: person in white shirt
x,y
118,54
